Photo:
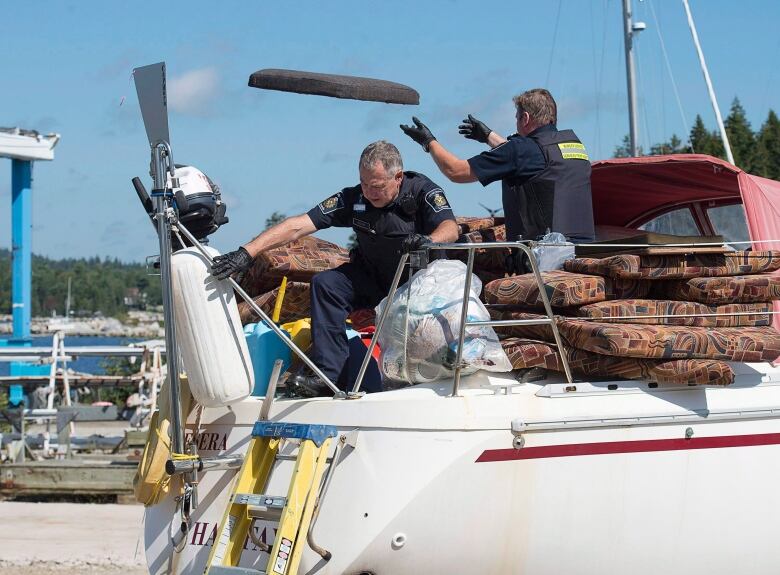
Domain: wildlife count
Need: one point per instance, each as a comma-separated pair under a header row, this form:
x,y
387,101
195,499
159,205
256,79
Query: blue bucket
x,y
265,347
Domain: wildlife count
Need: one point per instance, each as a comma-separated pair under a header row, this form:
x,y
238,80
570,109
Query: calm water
x,y
87,364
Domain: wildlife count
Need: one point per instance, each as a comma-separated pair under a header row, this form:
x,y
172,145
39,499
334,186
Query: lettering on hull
x,y
203,534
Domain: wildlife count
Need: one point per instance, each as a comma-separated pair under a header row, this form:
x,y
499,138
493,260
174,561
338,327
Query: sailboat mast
x,y
628,32
710,89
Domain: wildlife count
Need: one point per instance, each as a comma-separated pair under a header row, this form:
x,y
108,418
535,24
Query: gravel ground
x,y
58,538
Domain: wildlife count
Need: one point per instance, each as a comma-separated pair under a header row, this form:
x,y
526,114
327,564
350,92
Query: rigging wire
x,y
671,76
552,49
601,70
642,103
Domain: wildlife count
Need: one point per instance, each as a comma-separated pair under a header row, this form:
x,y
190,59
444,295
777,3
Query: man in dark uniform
x,y
545,172
391,212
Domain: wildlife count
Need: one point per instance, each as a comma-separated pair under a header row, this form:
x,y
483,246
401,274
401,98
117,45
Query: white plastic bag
x,y
553,251
420,337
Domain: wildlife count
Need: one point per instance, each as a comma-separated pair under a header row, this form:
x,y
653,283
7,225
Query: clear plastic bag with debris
x,y
552,251
420,337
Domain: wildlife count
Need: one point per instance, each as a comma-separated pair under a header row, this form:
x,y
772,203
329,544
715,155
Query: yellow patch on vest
x,y
573,151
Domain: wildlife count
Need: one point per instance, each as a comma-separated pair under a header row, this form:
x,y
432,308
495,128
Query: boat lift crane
x,y
23,147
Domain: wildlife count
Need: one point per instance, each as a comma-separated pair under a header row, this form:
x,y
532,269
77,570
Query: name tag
x,y
359,207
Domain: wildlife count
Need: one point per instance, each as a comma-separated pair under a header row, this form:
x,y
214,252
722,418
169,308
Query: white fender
x,y
208,331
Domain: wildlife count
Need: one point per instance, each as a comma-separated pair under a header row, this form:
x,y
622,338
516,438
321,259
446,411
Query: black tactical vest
x,y
556,199
380,232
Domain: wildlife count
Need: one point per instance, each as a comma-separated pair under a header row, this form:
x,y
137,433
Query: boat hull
x,y
589,482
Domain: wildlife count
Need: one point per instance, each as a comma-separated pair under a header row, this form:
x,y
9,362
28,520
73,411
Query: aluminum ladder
x,y
293,513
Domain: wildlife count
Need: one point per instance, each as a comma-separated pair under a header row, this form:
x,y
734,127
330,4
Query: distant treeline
x,y
757,152
97,285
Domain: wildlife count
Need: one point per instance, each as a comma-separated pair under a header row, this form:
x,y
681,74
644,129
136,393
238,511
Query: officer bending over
x,y
544,172
391,212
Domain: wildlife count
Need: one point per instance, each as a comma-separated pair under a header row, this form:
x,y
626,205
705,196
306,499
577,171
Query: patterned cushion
x,y
362,318
648,307
472,224
298,260
296,304
673,342
725,290
564,289
488,259
617,288
540,332
678,266
525,354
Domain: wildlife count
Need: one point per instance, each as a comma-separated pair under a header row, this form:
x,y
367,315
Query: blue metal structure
x,y
23,147
21,254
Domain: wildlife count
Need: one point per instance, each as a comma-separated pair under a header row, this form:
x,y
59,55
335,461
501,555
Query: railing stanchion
x,y
548,310
385,311
463,315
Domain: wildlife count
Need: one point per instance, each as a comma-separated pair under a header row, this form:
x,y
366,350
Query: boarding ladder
x,y
292,513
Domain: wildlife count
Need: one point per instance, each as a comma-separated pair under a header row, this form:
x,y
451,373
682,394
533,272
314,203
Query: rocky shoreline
x,y
140,324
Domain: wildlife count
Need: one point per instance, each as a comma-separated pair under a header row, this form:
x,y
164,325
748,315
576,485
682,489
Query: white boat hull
x,y
646,481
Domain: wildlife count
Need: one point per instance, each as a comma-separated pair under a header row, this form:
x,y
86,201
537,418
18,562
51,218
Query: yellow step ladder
x,y
248,503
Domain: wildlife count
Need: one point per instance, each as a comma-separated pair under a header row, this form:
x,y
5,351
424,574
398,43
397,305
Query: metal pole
x,y
710,89
396,279
463,315
548,310
628,34
21,253
160,158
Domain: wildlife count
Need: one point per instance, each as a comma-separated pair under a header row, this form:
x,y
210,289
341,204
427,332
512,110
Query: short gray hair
x,y
383,152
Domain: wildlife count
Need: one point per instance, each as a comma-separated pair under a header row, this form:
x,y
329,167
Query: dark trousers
x,y
334,294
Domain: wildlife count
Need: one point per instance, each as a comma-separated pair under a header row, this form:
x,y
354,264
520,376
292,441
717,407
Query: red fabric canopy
x,y
625,189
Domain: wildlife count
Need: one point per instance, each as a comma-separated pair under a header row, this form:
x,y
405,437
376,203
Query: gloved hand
x,y
412,242
516,263
419,133
233,263
473,129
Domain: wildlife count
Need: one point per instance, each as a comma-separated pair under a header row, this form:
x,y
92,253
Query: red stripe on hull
x,y
576,449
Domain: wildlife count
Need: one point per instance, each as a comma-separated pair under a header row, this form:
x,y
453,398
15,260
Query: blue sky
x,y
66,66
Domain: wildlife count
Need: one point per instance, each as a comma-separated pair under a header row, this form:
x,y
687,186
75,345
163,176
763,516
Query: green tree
x,y
673,146
273,219
624,149
741,137
768,148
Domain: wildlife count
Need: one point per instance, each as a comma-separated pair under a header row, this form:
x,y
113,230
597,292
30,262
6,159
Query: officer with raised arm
x,y
391,212
545,172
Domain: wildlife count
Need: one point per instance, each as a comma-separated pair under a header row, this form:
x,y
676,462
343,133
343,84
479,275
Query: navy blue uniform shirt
x,y
519,158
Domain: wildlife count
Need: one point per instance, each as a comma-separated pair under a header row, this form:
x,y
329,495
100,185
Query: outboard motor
x,y
198,202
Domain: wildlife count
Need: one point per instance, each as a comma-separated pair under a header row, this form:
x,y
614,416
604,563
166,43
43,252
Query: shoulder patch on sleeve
x,y
333,203
437,200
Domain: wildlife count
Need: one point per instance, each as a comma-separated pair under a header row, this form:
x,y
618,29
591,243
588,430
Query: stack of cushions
x,y
298,261
691,347
489,264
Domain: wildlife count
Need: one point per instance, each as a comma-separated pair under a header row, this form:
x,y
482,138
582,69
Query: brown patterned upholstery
x,y
362,318
627,289
564,289
472,224
540,332
723,290
526,353
484,260
296,304
298,260
678,266
648,307
673,342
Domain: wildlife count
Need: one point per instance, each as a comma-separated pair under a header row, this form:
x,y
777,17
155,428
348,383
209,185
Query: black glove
x,y
412,242
232,264
516,263
473,129
419,133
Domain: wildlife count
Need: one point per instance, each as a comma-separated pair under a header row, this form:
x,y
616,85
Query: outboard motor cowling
x,y
199,202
